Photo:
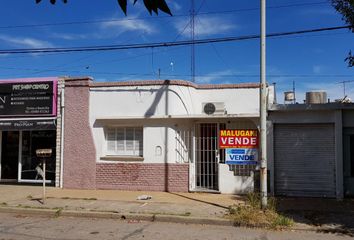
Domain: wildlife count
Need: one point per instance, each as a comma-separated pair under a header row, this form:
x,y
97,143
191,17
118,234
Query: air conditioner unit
x,y
212,108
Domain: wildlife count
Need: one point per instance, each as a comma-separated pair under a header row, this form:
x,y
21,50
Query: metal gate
x,y
206,147
304,160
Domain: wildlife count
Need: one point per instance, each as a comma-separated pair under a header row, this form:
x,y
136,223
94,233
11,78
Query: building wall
x,y
232,182
348,119
166,112
164,100
79,148
59,134
143,176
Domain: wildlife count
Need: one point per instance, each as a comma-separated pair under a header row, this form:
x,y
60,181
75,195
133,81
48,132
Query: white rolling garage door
x,y
304,160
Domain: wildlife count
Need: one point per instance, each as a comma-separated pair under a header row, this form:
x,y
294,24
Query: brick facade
x,y
140,176
79,148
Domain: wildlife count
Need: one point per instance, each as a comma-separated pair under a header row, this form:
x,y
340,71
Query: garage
x,y
304,160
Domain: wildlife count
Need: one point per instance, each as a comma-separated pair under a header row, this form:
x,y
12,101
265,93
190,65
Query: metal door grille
x,y
207,157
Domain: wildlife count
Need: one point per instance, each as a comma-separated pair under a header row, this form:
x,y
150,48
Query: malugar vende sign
x,y
241,146
238,138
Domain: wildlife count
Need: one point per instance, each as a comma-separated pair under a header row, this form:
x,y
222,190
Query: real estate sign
x,y
241,145
238,138
243,156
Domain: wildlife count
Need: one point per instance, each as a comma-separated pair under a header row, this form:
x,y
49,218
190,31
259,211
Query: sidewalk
x,y
122,203
309,214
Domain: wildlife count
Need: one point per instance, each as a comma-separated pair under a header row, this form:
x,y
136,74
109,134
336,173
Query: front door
x,y
9,155
206,165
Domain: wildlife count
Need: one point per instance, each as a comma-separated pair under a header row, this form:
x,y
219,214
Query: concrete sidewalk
x,y
309,214
198,205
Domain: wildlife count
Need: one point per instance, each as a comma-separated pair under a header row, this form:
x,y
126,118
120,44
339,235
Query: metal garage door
x,y
304,160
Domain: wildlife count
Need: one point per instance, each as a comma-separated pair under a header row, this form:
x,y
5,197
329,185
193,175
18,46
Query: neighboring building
x,y
29,120
311,149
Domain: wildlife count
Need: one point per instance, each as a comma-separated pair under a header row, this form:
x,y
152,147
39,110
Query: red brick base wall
x,y
140,176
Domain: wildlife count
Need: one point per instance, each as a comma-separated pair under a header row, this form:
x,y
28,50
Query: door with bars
x,y
207,156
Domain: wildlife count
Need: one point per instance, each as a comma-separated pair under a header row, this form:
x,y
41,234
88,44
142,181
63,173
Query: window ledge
x,y
122,158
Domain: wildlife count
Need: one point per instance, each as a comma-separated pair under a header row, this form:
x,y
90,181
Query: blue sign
x,y
244,156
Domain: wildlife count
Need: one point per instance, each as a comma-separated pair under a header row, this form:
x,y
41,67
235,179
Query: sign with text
x,y
238,138
243,156
21,98
33,124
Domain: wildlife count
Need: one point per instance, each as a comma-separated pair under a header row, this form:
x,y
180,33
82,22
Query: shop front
x,y
27,123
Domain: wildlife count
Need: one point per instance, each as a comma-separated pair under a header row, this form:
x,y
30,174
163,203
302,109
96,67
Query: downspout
x,y
62,106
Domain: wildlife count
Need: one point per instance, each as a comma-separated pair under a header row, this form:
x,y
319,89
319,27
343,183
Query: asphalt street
x,y
18,226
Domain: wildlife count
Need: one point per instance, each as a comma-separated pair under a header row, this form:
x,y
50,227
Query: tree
x,y
346,8
151,5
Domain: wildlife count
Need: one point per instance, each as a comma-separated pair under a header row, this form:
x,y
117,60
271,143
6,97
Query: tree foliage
x,y
346,8
151,5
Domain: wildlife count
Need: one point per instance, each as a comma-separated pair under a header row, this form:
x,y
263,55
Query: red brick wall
x,y
140,176
79,149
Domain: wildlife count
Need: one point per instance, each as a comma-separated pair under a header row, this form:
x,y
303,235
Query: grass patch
x,y
58,212
250,214
90,199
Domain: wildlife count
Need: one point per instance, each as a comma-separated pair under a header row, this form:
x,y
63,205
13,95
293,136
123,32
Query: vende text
x,y
238,139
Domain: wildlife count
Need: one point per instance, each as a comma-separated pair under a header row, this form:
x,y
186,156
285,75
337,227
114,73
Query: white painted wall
x,y
146,101
144,104
230,184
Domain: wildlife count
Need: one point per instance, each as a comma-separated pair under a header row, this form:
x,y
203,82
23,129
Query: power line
x,y
162,44
197,75
159,17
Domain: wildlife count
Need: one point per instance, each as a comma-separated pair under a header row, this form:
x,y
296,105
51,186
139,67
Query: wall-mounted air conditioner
x,y
212,108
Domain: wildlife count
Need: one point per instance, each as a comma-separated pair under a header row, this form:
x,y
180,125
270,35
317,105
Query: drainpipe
x,y
62,106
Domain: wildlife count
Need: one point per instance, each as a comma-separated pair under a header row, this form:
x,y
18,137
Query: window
x,y
124,141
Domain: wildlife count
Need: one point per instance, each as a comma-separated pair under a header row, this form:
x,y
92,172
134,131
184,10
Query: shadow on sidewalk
x,y
201,201
329,215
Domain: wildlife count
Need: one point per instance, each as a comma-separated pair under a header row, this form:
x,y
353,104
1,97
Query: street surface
x,y
18,226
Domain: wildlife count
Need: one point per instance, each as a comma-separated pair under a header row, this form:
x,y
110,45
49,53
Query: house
x,y
157,135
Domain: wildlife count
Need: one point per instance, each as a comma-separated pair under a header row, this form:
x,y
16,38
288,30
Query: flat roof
x,y
311,107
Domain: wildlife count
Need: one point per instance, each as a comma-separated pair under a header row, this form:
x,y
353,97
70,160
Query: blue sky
x,y
314,61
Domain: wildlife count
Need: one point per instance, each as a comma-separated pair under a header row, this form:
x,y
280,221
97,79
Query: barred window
x,y
124,141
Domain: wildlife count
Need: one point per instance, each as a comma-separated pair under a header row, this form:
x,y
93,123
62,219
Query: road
x,y
17,226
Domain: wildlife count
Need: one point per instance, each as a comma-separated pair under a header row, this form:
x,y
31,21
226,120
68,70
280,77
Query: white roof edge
x,y
196,116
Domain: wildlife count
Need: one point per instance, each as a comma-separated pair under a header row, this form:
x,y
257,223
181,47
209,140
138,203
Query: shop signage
x,y
23,98
238,138
48,124
243,156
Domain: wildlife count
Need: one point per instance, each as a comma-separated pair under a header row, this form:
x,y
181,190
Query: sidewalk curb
x,y
112,215
130,216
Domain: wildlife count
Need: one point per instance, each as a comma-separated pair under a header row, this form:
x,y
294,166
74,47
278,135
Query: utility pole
x,y
263,109
192,26
294,101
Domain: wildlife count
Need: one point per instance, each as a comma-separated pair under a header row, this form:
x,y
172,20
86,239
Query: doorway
x,y
9,155
207,156
18,160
